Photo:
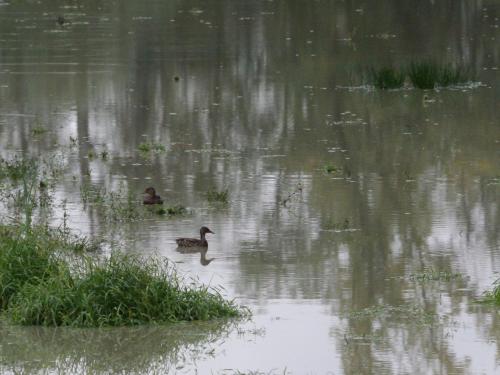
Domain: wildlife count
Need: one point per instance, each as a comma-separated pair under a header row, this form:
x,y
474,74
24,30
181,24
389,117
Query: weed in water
x,y
328,168
214,196
296,193
171,211
40,286
386,78
453,75
104,155
147,147
423,75
434,275
492,296
38,130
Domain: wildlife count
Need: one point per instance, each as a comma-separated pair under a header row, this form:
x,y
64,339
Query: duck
x,y
150,197
191,242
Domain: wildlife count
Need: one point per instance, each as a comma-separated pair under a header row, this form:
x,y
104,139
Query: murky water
x,y
264,100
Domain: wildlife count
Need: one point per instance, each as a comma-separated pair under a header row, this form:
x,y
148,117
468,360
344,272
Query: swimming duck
x,y
150,197
190,242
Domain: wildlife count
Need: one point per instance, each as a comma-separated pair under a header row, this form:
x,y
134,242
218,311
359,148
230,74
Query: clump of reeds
x,y
429,74
421,74
386,78
40,285
215,196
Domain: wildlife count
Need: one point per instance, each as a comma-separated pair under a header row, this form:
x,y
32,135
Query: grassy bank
x,y
44,282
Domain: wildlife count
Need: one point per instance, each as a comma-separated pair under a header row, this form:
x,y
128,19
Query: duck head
x,y
150,191
205,230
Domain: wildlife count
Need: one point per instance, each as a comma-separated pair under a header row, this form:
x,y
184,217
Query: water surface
x,y
267,95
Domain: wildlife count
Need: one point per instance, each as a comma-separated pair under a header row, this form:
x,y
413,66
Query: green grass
x,y
386,78
493,296
329,168
41,283
147,147
38,130
429,74
434,275
425,75
215,196
172,210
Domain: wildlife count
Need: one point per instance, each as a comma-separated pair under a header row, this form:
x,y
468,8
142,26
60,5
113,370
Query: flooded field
x,y
360,226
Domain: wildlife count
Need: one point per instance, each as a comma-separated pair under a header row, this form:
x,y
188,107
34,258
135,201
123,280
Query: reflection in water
x,y
264,102
204,261
137,350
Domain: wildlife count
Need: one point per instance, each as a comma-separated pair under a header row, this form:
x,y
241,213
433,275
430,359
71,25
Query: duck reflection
x,y
197,249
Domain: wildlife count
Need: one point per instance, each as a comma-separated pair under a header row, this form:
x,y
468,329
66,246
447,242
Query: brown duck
x,y
150,197
190,242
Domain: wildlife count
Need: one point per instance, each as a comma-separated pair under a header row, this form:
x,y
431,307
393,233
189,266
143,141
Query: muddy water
x,y
257,98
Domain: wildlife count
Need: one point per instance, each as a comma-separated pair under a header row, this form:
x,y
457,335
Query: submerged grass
x,y
42,285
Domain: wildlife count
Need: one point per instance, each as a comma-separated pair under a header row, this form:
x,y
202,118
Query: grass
x,y
171,211
386,78
493,296
215,196
41,284
429,74
329,168
403,312
38,130
147,147
434,275
425,75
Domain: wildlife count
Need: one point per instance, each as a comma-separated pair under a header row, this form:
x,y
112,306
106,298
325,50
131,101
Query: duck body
x,y
150,197
195,242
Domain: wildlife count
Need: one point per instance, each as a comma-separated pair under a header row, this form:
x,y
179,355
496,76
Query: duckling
x,y
150,197
190,242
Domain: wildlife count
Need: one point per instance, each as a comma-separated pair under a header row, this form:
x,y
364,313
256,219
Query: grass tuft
x,y
386,78
493,296
41,285
214,196
147,147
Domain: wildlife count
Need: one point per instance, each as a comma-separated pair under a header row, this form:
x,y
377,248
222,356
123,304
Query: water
x,y
268,94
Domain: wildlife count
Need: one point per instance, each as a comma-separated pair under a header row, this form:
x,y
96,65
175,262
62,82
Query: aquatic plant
x,y
295,193
453,75
172,210
329,168
147,147
386,78
429,74
493,296
434,275
215,196
423,75
42,285
38,130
